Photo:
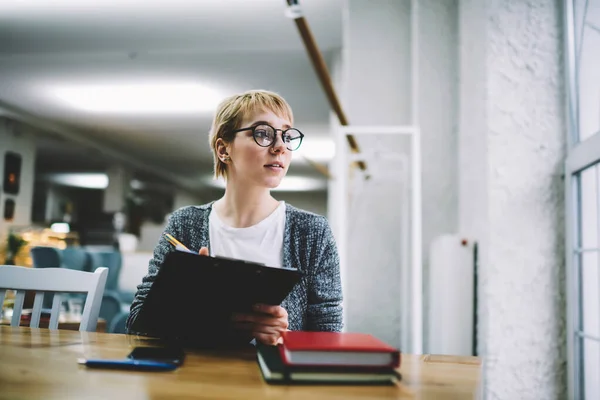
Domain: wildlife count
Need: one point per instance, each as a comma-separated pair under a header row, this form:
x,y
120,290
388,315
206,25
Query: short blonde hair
x,y
231,112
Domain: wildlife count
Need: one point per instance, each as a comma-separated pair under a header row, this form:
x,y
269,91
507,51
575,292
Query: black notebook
x,y
274,371
193,297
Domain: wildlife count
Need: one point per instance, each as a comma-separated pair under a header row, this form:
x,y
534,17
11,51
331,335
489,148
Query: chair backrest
x,y
45,257
111,260
117,325
56,280
110,306
77,258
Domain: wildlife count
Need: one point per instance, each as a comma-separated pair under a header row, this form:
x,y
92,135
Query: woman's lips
x,y
274,168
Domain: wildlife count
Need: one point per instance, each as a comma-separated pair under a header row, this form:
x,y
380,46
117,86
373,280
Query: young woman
x,y
252,139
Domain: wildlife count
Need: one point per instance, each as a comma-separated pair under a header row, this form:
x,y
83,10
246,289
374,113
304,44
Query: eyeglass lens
x,y
265,136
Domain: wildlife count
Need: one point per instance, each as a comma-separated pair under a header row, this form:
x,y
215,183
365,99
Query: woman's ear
x,y
222,151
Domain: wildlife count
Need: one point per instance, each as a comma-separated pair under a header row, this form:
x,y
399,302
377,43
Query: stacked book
x,y
328,358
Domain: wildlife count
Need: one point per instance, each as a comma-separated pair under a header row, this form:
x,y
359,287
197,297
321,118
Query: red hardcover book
x,y
337,349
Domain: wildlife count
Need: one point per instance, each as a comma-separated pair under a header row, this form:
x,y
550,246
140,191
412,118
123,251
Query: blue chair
x,y
111,260
77,258
110,307
114,301
45,257
118,323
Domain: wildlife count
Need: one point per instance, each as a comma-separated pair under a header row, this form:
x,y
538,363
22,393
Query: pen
x,y
178,245
140,365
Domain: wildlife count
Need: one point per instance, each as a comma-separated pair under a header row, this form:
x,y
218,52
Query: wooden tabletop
x,y
40,363
69,324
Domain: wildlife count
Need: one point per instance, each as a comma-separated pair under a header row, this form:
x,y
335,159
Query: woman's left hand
x,y
266,323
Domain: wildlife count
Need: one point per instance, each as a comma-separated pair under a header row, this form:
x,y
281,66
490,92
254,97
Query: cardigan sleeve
x,y
134,324
324,309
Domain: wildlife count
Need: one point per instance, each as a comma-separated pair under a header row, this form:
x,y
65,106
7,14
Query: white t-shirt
x,y
260,243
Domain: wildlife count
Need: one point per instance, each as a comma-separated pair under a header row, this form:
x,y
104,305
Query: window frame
x,y
580,155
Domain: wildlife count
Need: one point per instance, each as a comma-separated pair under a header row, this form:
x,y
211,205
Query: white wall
x,y
183,198
377,62
472,144
376,80
377,84
512,138
17,138
497,180
438,120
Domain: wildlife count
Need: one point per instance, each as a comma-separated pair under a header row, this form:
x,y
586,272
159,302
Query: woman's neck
x,y
242,207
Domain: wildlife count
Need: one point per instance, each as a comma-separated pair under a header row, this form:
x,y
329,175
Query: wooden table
x,y
39,363
68,324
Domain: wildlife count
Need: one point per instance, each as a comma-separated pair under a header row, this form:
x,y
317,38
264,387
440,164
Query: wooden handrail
x,y
323,73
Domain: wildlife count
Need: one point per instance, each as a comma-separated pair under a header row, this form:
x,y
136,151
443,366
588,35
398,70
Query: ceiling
x,y
229,46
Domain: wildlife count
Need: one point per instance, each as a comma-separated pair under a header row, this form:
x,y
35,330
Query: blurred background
x,y
474,125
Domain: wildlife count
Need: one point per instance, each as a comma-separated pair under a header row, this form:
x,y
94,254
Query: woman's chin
x,y
273,183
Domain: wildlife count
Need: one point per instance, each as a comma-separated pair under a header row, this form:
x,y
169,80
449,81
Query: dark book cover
x,y
275,371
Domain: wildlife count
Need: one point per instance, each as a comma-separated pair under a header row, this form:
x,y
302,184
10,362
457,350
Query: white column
x,y
512,148
118,187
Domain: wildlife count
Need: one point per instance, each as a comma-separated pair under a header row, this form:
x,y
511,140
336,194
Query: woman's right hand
x,y
203,251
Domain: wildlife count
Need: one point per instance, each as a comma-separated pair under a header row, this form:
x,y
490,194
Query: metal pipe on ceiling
x,y
294,11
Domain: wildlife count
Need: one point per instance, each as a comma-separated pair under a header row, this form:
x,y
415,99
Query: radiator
x,y
451,296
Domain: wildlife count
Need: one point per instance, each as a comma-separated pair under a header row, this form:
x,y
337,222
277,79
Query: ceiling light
x,y
137,184
60,227
161,98
288,184
82,180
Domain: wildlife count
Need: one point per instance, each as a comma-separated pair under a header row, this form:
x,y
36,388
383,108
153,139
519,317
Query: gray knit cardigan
x,y
314,304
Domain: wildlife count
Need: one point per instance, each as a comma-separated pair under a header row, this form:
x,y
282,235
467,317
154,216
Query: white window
x,y
583,198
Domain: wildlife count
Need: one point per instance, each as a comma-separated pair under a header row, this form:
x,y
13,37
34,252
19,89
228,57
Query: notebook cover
x,y
191,292
301,341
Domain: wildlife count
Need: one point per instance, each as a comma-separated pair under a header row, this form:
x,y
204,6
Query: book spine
x,y
397,358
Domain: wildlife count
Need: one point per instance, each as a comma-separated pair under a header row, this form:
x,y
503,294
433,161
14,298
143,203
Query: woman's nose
x,y
279,144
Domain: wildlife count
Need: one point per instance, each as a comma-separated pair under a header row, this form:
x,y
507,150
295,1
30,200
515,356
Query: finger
x,y
275,311
203,251
258,329
267,339
267,330
261,320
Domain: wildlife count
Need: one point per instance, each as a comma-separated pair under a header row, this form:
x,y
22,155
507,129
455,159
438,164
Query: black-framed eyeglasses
x,y
265,135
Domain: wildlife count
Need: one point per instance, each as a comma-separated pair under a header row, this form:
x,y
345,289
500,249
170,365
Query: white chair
x,y
56,280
